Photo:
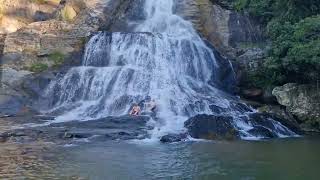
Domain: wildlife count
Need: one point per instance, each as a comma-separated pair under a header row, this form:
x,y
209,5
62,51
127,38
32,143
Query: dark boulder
x,y
218,110
76,135
272,122
171,138
263,132
212,127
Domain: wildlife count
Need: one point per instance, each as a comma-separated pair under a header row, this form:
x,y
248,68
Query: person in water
x,y
136,110
151,106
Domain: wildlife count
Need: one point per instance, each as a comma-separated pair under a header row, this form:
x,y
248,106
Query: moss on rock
x,y
68,13
38,67
57,58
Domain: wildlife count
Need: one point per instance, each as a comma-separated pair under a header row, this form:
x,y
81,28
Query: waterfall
x,y
163,58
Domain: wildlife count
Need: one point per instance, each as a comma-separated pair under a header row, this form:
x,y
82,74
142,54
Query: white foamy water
x,y
163,58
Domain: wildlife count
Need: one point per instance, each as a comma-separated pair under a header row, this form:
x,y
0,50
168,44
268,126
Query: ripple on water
x,y
32,161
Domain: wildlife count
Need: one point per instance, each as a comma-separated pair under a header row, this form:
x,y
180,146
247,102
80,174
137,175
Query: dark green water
x,y
278,159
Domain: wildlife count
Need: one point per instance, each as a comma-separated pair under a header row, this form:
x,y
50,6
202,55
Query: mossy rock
x,y
68,13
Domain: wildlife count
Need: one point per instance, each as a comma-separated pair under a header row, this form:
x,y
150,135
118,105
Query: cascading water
x,y
163,58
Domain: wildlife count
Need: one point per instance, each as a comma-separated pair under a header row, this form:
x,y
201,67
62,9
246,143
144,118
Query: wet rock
x,y
262,132
302,101
278,111
121,15
10,105
35,85
109,128
77,135
224,78
264,125
211,127
171,138
123,135
252,103
240,106
217,109
251,93
12,99
270,122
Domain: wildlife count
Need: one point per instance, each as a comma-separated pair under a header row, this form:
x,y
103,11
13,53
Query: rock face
x,y
211,127
302,101
230,32
237,36
44,44
12,99
15,14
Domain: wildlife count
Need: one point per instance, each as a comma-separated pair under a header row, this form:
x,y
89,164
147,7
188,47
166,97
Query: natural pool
x,y
283,159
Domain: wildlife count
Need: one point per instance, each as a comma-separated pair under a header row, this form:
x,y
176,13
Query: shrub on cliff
x,y
295,52
293,27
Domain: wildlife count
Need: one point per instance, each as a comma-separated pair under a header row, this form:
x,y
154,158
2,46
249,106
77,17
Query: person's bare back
x,y
135,110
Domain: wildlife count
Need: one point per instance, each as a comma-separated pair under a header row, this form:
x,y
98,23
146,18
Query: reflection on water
x,y
279,159
32,161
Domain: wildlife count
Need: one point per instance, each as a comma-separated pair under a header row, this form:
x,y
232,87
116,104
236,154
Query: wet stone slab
x,y
109,128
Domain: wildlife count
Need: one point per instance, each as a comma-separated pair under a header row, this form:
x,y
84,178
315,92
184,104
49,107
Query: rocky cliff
x,y
235,35
49,35
46,41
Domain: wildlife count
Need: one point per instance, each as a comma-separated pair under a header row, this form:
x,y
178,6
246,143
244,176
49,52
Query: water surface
x,y
277,159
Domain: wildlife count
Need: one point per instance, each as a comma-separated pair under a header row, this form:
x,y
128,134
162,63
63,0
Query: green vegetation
x,y
293,27
38,67
57,58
